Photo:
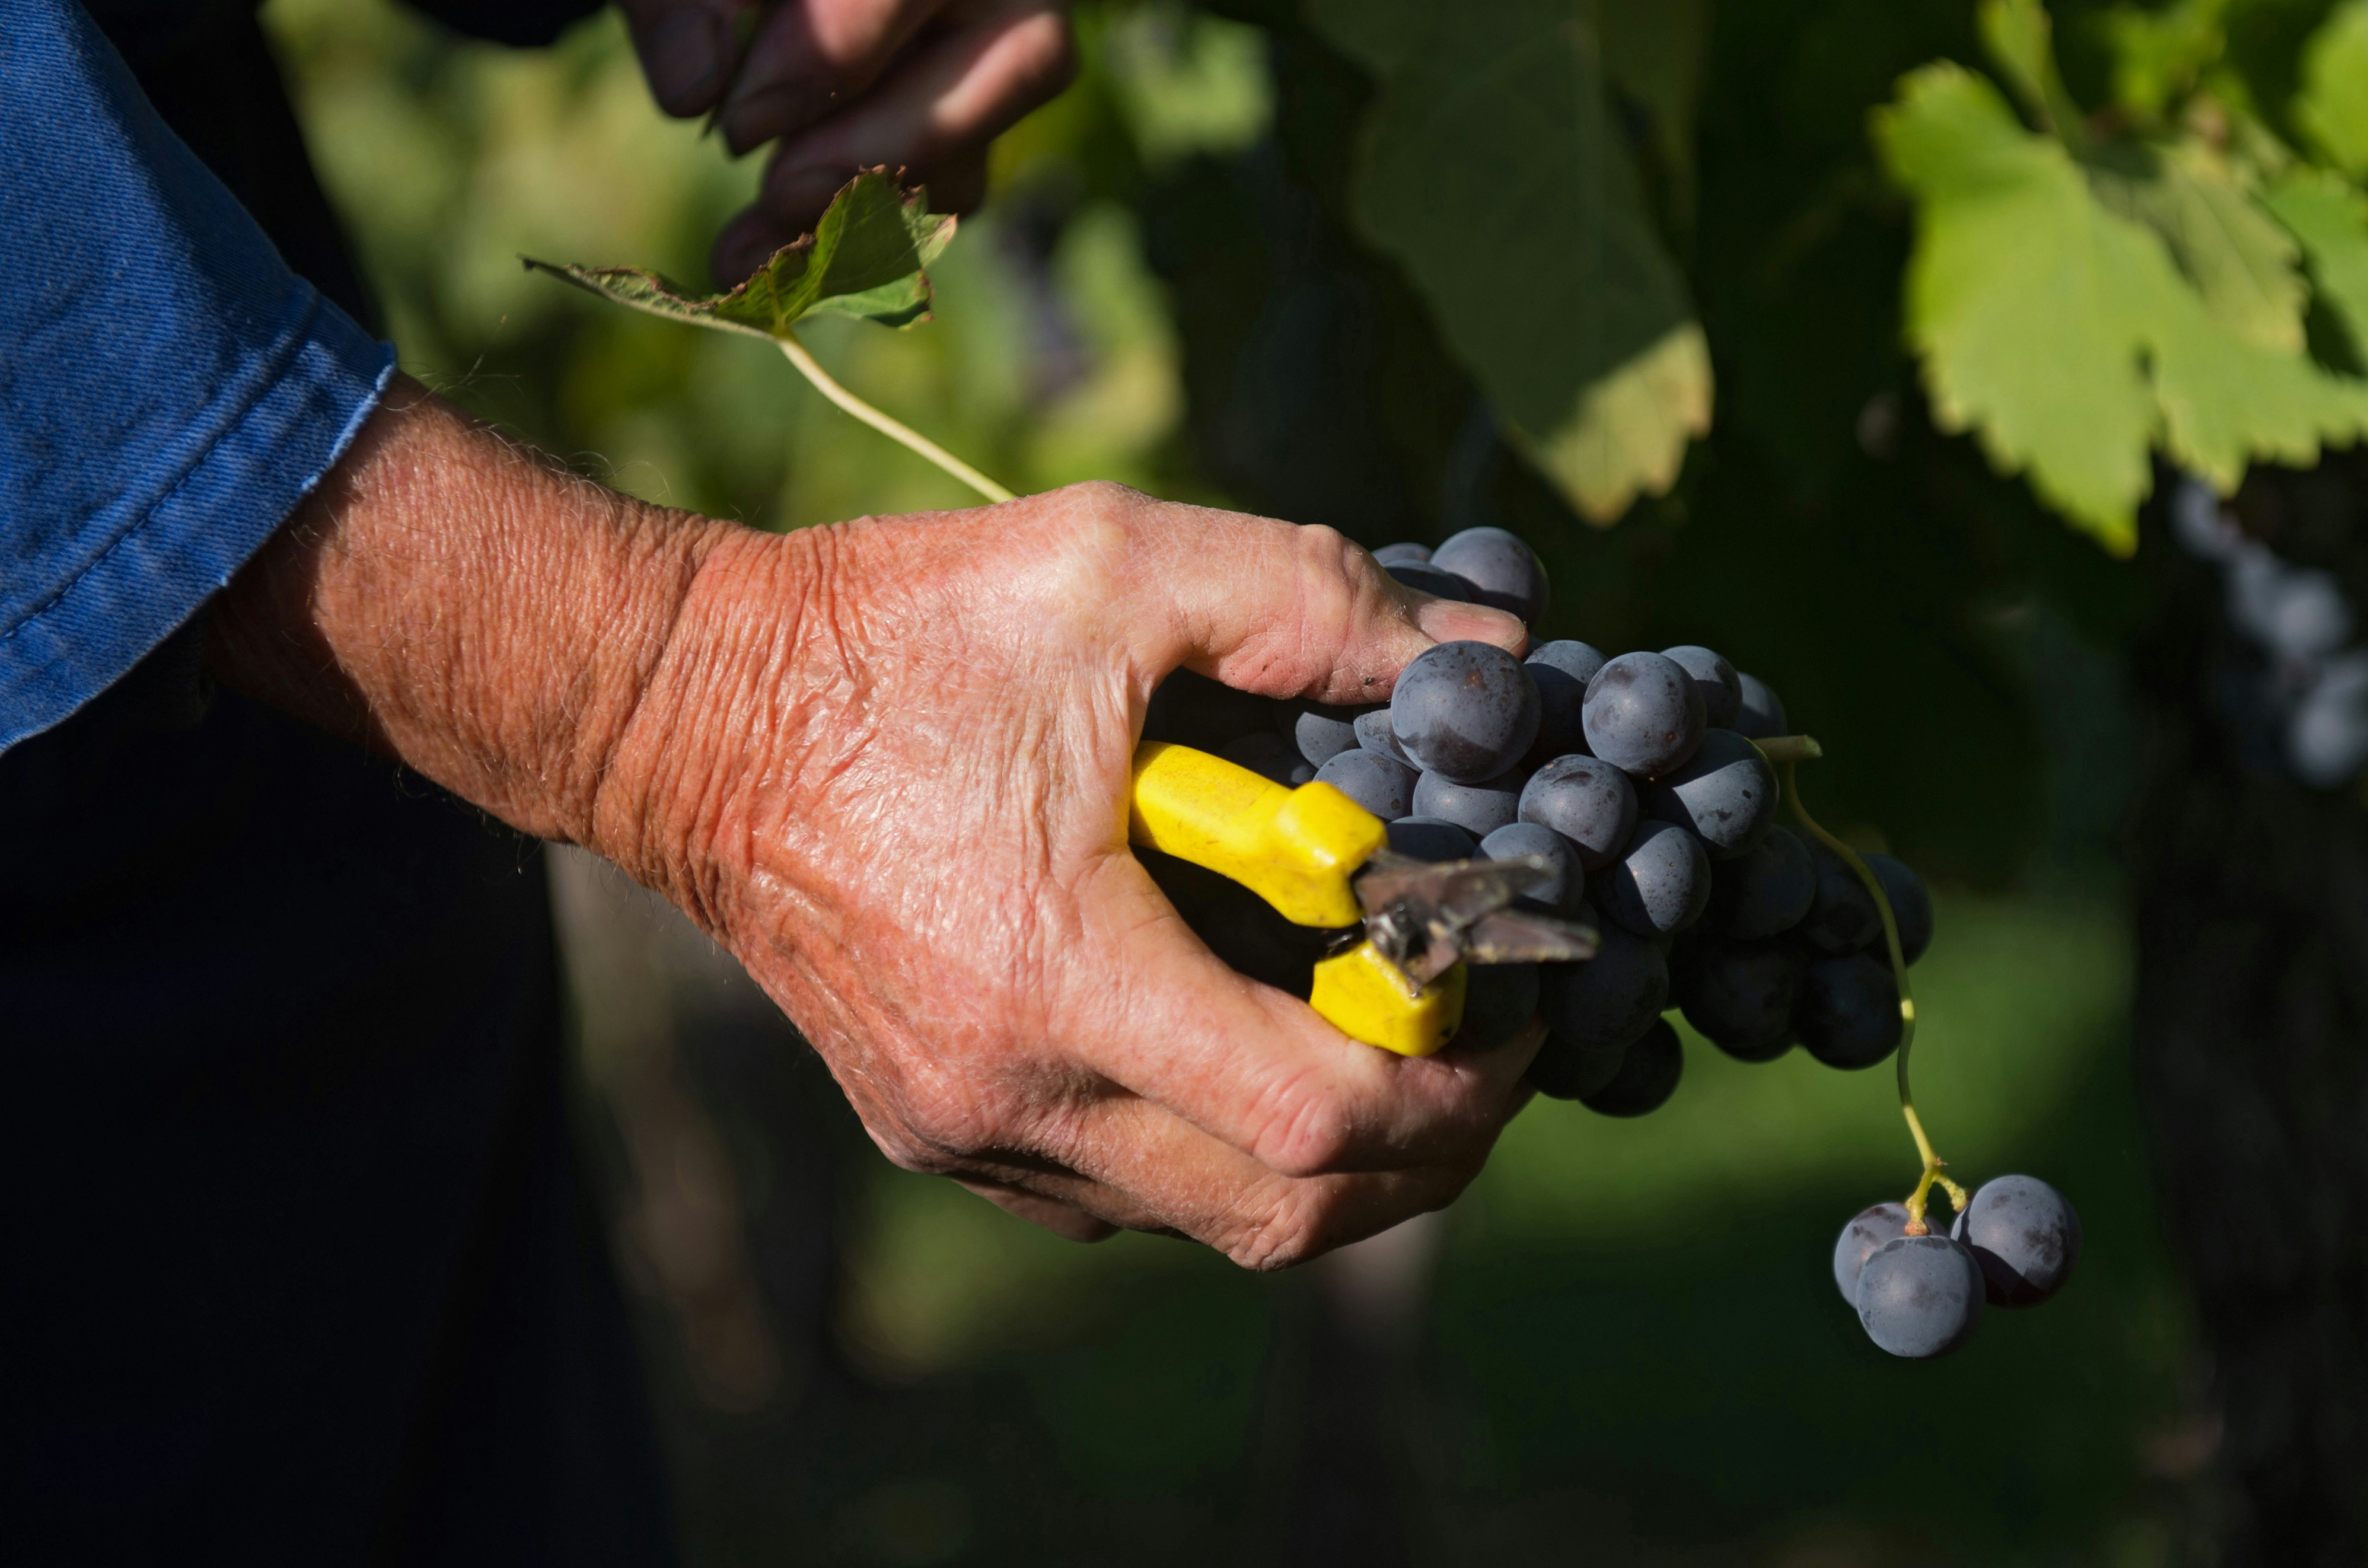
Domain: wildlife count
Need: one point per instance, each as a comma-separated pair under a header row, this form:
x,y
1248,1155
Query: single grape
x,y
1911,906
1648,1075
1739,996
1919,1296
1568,1069
1557,897
1561,671
1193,710
1264,752
1868,1230
1425,578
1406,554
1764,892
1466,709
1847,1011
1842,917
1483,808
1506,571
2326,737
1661,885
1721,687
1761,712
1382,787
1578,660
2296,612
1602,1005
2026,1235
1499,999
1725,794
2199,522
1372,727
1318,731
1431,839
1643,713
1589,801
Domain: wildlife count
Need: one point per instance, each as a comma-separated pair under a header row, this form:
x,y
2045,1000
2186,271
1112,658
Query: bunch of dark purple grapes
x,y
2013,1245
1641,781
1638,779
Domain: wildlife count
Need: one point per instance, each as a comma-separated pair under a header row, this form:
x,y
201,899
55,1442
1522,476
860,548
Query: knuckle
x,y
1333,558
948,1122
1324,546
1079,542
908,1153
1102,498
1304,1131
1293,1231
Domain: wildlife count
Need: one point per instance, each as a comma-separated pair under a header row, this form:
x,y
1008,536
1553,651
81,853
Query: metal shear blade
x,y
1424,917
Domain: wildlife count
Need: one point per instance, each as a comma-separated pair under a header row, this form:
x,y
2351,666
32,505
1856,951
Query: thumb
x,y
1280,609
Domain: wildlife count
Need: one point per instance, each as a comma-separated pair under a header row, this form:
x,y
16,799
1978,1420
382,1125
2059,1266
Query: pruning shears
x,y
1396,978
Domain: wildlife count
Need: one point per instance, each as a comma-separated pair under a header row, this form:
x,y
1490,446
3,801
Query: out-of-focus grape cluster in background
x,y
1622,1347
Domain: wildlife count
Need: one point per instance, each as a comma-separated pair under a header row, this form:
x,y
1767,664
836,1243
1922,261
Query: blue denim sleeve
x,y
169,390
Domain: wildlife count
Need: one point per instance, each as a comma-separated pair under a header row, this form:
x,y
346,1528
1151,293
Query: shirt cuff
x,y
234,497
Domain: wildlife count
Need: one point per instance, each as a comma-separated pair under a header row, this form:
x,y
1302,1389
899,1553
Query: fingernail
x,y
1447,620
686,52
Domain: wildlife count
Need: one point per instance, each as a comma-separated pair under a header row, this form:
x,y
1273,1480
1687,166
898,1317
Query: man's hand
x,y
843,85
886,763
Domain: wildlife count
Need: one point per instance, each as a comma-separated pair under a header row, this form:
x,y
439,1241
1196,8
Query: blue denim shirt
x,y
168,389
299,1268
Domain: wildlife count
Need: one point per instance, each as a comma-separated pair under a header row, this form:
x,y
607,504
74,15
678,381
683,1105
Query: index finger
x,y
1154,1011
1278,609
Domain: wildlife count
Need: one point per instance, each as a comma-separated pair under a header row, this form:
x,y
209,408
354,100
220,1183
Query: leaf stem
x,y
1932,1161
894,430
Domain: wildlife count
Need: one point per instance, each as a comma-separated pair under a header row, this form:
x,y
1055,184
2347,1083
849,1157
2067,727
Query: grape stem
x,y
896,430
1784,751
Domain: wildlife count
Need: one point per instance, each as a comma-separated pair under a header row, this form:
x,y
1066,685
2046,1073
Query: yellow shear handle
x,y
1296,849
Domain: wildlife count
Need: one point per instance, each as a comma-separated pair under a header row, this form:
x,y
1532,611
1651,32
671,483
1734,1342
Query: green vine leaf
x,y
2020,38
2329,217
865,258
1495,170
1654,51
1619,442
2062,334
2243,264
2332,106
2161,54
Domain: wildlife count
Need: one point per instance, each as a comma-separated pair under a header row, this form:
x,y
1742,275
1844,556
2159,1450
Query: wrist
x,y
448,599
669,800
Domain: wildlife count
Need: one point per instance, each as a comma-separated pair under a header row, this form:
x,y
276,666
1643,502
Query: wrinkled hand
x,y
887,762
842,85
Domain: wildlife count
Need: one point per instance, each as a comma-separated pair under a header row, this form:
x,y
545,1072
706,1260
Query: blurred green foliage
x,y
1052,360
1635,1354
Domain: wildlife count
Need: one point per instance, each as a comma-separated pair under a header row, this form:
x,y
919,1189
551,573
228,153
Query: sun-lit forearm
x,y
464,606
